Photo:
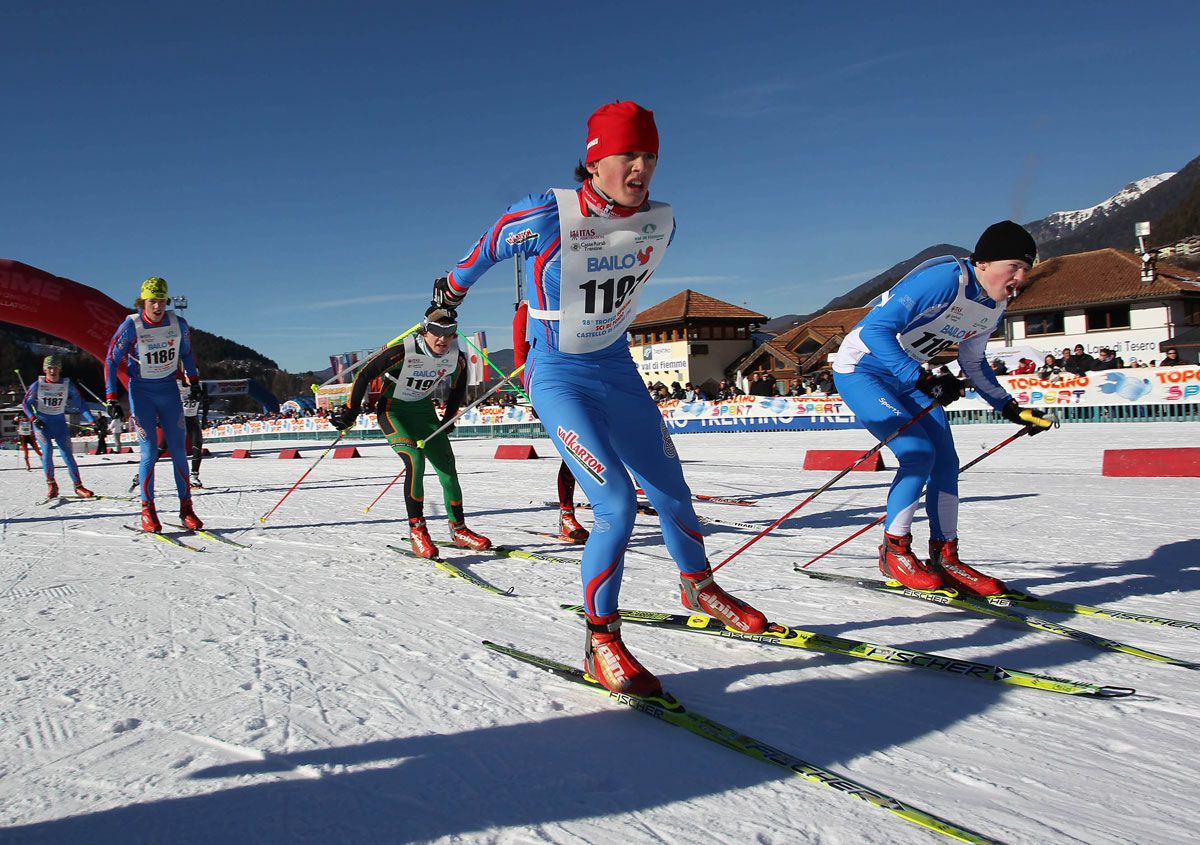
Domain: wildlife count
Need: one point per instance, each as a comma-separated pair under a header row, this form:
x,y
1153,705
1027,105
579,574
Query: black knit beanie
x,y
1005,240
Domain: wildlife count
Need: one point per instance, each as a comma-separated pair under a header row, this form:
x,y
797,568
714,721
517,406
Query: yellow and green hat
x,y
154,288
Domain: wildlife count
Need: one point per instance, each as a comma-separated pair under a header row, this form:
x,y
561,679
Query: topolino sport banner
x,y
1137,386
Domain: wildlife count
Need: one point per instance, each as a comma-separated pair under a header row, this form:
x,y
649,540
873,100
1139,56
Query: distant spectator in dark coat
x,y
1079,362
1107,361
1171,358
725,392
999,367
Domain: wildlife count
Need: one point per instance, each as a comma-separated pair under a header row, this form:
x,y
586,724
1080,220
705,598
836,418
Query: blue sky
x,y
303,171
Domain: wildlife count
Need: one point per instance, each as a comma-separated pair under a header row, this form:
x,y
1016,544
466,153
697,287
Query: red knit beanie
x,y
620,127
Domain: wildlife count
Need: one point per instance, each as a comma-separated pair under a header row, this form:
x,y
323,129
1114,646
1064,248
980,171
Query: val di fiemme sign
x,y
663,357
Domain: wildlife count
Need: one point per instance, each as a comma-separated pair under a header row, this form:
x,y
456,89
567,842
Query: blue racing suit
x,y
936,305
53,428
154,400
581,377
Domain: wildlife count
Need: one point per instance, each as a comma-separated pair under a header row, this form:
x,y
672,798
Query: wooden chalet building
x,y
1097,299
691,337
801,350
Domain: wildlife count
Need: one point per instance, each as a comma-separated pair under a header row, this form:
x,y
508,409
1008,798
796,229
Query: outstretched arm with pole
x,y
363,362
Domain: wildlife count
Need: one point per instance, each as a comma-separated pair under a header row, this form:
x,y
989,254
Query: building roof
x,y
1098,277
690,305
824,326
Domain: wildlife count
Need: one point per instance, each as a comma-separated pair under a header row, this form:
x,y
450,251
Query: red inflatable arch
x,y
78,314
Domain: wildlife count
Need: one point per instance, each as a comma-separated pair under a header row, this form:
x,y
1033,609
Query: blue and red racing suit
x,y
937,305
152,353
47,403
587,269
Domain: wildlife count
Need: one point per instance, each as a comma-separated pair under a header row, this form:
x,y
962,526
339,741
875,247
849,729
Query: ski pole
x,y
1026,430
335,442
93,395
488,361
367,509
445,425
358,364
20,378
865,455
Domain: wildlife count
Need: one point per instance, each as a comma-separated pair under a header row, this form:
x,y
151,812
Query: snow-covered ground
x,y
318,688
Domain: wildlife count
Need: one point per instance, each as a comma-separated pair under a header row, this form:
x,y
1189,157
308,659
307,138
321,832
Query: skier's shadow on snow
x,y
1167,569
59,514
572,768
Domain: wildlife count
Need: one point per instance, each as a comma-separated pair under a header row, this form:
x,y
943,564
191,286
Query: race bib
x,y
52,398
158,347
422,372
605,264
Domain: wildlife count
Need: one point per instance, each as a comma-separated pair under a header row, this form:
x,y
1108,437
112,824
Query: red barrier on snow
x,y
515,453
1152,463
126,450
240,453
289,453
840,459
346,452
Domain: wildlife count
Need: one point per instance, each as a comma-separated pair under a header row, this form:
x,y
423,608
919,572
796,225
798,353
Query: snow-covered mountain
x,y
1063,223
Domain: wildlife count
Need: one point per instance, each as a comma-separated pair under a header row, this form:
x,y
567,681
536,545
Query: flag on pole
x,y
476,370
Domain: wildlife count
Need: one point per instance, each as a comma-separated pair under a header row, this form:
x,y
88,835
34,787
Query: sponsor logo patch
x,y
520,237
582,455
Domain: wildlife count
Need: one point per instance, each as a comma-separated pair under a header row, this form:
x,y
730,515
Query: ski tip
x,y
1115,692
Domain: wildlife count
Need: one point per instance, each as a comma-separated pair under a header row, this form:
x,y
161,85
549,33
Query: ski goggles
x,y
440,329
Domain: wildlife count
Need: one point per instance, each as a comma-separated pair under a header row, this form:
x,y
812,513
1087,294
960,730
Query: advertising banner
x,y
759,413
1137,386
663,357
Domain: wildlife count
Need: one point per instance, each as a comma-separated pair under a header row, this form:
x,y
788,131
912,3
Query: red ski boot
x,y
51,489
569,529
465,538
896,561
943,557
607,660
82,492
150,518
698,591
190,520
422,543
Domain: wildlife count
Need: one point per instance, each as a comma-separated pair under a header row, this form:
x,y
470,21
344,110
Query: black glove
x,y
37,422
115,410
443,295
1035,418
343,418
195,393
942,389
